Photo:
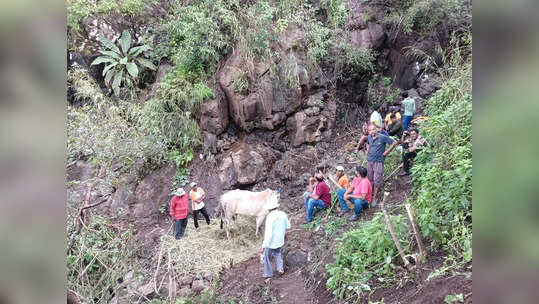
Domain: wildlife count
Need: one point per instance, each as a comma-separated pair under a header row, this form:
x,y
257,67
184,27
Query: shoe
x,y
267,280
343,213
307,222
197,229
373,203
404,173
353,218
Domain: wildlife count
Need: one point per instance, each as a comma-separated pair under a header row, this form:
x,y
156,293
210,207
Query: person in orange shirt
x,y
197,196
344,184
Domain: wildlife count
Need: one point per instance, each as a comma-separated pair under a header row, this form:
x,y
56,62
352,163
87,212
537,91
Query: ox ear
x,y
279,191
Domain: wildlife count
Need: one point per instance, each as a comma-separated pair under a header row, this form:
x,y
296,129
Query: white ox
x,y
246,203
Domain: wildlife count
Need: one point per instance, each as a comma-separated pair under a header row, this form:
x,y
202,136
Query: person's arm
x,y
267,232
367,149
393,144
348,191
172,206
360,142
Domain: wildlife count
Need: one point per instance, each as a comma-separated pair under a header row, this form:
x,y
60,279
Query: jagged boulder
x,y
151,192
371,37
245,165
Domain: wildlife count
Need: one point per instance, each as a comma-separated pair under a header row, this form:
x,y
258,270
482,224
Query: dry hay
x,y
208,250
349,146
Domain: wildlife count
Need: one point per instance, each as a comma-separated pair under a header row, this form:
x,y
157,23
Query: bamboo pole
x,y
392,173
417,233
391,230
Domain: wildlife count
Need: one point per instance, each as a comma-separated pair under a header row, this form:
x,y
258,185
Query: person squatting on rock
x,y
344,184
320,198
388,120
179,207
395,127
197,196
360,193
376,153
276,225
412,143
409,110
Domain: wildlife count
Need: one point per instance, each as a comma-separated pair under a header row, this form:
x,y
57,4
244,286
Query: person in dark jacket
x,y
395,128
179,207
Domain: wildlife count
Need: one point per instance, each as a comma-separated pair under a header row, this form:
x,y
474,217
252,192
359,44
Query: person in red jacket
x,y
178,210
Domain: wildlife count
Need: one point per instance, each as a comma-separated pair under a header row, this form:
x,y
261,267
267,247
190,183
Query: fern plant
x,y
122,63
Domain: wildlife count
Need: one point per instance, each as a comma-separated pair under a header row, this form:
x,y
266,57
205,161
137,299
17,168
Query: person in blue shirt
x,y
276,225
376,153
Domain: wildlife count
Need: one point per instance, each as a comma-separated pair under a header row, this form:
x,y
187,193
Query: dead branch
x,y
417,232
391,230
393,173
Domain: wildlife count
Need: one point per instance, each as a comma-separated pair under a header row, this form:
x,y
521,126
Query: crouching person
x,y
276,224
360,193
320,198
179,207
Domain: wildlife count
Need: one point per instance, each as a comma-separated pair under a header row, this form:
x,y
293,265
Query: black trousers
x,y
204,213
179,227
406,159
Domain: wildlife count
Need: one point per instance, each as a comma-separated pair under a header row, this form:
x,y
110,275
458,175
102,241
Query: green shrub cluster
x,y
420,15
80,9
364,252
442,174
100,256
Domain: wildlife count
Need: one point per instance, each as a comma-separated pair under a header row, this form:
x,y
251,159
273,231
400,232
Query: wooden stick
x,y
347,201
417,233
391,230
331,208
392,173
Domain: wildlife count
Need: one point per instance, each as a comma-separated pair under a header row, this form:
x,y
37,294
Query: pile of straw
x,y
208,250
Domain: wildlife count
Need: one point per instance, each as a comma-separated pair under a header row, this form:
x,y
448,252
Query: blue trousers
x,y
340,196
310,204
406,119
359,205
268,253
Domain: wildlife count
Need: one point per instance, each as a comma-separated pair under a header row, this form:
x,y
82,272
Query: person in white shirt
x,y
197,196
376,118
276,224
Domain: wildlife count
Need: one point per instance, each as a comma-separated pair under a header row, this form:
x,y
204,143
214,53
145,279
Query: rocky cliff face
x,y
286,105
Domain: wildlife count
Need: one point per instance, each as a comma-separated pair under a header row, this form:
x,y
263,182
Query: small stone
x,y
198,286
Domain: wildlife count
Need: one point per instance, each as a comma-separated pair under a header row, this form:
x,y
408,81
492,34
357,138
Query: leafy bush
x,y
422,15
121,62
100,256
353,61
364,252
318,41
337,11
241,84
442,173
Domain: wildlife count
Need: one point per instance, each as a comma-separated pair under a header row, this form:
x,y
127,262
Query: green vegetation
x,y
241,84
122,63
80,9
419,15
336,10
353,61
442,174
100,256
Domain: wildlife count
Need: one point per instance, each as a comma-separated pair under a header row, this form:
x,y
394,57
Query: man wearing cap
x,y
320,198
179,207
197,196
343,183
276,224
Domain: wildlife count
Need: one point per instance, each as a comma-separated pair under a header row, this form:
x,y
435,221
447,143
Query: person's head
x,y
414,133
404,94
373,130
194,186
179,192
376,107
393,117
340,171
361,171
395,110
319,176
